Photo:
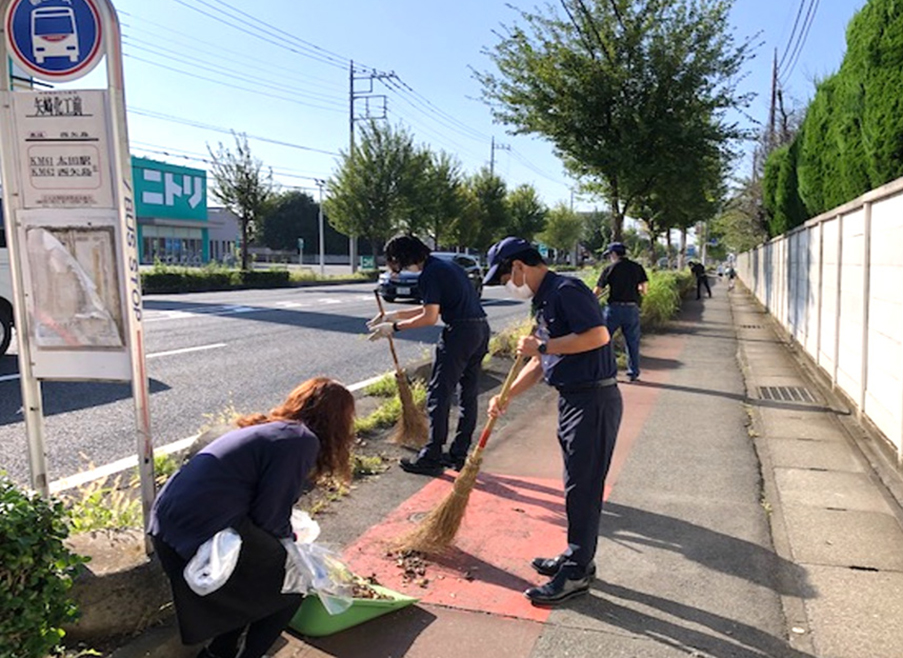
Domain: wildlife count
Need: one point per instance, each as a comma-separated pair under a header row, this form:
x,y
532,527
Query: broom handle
x,y
379,303
503,398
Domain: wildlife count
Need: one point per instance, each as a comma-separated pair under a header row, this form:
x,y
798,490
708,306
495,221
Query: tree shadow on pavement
x,y
682,627
711,549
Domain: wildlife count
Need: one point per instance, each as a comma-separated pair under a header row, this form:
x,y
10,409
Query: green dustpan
x,y
312,618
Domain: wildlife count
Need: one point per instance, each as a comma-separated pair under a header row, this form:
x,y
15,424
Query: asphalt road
x,y
207,353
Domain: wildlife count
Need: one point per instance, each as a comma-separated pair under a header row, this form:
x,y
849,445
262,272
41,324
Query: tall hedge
x,y
851,140
875,55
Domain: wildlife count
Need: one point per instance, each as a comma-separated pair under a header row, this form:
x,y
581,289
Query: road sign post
x,y
69,208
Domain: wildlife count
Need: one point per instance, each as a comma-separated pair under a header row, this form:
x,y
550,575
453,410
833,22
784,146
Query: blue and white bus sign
x,y
54,40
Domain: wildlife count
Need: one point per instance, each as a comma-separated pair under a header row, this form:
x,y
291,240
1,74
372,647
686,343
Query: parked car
x,y
404,284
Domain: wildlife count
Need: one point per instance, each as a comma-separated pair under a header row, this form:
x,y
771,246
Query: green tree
x,y
741,224
242,186
292,215
375,190
621,88
527,213
485,215
564,228
441,196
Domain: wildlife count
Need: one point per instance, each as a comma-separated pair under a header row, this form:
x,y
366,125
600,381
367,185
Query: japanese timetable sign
x,y
64,149
55,40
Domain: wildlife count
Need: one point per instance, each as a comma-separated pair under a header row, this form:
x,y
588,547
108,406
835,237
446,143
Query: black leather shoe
x,y
454,463
549,566
421,466
559,589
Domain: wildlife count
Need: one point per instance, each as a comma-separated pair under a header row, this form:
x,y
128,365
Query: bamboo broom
x,y
437,530
412,428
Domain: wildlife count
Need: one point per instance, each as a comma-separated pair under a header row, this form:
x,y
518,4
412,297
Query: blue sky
x,y
188,71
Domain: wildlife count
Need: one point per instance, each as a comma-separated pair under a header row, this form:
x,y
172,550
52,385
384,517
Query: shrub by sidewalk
x,y
168,279
36,571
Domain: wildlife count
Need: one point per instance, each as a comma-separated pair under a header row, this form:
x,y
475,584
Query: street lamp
x,y
320,183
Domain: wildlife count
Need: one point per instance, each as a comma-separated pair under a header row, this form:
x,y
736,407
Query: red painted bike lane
x,y
516,512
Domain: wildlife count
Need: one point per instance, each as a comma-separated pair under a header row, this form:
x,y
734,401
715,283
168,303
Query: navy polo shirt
x,y
564,305
256,472
447,285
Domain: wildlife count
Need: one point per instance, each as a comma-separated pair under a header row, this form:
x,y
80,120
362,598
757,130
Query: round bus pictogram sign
x,y
55,40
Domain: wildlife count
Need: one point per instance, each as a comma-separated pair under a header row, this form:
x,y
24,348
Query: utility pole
x,y
769,143
320,184
368,95
352,240
492,149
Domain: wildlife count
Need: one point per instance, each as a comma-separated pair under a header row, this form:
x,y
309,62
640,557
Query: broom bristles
x,y
412,428
437,530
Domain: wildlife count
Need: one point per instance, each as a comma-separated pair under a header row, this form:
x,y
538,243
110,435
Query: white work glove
x,y
381,330
379,318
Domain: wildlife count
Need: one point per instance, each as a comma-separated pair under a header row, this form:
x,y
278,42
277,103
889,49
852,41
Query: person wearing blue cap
x,y
446,292
571,350
627,282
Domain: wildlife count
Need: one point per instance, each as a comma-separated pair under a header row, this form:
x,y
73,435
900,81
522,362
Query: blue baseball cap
x,y
615,247
502,251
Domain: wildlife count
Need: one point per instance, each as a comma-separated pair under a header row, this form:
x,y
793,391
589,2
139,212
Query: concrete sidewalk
x,y
742,521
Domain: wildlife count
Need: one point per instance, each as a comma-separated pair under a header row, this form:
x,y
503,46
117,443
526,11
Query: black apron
x,y
252,592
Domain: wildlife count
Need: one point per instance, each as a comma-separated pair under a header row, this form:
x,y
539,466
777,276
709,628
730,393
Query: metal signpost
x,y
69,208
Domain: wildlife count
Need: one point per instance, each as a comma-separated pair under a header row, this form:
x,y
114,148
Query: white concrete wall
x,y
836,285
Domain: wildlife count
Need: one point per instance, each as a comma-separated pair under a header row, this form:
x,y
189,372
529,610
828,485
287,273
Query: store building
x,y
171,201
225,236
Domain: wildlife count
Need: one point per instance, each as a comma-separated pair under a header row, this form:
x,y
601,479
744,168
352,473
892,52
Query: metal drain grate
x,y
785,394
751,326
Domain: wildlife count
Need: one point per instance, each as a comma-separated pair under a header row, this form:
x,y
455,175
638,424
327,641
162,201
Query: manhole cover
x,y
785,394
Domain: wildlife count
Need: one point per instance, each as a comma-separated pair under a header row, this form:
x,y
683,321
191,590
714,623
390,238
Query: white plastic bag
x,y
213,563
313,568
305,528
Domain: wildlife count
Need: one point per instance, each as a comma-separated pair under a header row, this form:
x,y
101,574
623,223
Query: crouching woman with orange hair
x,y
249,479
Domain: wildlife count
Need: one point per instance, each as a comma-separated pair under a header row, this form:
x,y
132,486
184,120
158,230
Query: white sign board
x,y
64,149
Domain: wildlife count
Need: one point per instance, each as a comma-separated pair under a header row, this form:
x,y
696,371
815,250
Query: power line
x,y
207,126
340,58
281,43
159,51
799,13
142,23
172,152
226,84
807,25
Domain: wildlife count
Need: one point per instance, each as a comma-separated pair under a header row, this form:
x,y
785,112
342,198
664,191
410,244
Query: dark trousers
x,y
459,356
588,422
627,319
700,282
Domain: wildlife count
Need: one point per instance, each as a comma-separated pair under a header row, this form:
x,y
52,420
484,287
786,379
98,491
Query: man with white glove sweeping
x,y
447,292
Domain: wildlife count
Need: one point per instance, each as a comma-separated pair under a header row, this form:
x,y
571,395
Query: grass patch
x,y
102,506
504,343
362,465
388,413
385,387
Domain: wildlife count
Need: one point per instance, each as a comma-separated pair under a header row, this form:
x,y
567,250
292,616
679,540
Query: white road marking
x,y
186,350
100,472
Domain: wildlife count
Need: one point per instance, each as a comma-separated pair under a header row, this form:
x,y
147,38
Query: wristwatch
x,y
395,326
543,348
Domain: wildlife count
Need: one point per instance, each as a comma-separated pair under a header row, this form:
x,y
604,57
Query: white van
x,y
54,33
6,294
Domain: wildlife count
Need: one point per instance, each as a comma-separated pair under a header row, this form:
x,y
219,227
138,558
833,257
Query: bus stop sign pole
x,y
68,199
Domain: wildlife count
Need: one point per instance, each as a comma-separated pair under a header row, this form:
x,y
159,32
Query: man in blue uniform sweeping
x,y
571,350
446,292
